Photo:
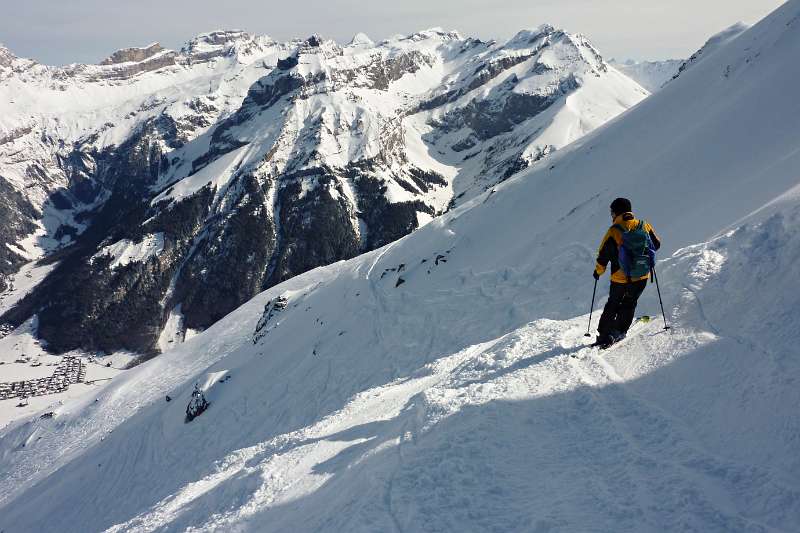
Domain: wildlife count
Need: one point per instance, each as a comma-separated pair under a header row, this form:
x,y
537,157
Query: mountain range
x,y
165,188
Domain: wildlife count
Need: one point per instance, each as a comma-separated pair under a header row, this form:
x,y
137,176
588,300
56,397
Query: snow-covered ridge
x,y
714,43
450,400
131,62
361,39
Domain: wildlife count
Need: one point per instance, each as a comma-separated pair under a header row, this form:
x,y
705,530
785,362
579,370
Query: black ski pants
x,y
621,306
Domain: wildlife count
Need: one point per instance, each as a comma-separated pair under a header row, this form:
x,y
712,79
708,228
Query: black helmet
x,y
621,205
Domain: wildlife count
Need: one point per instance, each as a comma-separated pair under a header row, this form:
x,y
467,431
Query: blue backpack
x,y
637,255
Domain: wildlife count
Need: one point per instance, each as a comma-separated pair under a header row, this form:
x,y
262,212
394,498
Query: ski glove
x,y
595,275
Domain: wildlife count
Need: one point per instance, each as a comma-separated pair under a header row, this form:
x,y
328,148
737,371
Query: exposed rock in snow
x,y
133,55
123,252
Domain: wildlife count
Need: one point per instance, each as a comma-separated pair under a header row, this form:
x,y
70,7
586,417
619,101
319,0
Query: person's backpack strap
x,y
651,250
621,250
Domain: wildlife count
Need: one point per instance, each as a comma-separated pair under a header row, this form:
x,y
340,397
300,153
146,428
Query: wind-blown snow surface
x,y
450,402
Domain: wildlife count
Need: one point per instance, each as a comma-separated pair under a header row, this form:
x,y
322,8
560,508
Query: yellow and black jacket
x,y
612,240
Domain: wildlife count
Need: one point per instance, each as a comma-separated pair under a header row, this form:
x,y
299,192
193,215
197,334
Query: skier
x,y
629,245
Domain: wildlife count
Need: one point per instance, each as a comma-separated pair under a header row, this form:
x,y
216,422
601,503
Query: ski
x,y
644,319
592,345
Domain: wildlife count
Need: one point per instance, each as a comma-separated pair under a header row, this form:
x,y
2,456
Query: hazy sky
x,y
66,31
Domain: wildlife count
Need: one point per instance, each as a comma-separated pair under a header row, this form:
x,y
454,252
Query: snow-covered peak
x,y
361,40
651,75
315,40
528,38
224,43
564,48
316,45
725,36
6,56
436,33
10,63
215,40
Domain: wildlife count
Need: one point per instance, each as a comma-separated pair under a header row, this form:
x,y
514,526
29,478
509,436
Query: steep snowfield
x,y
450,401
714,43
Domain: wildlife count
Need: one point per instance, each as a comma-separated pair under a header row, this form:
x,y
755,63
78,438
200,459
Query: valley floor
x,y
22,357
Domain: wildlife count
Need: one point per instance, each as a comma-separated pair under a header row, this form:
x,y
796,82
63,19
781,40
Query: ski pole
x,y
659,298
591,308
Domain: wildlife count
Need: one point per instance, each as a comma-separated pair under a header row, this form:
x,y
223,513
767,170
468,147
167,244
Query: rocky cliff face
x,y
172,186
137,55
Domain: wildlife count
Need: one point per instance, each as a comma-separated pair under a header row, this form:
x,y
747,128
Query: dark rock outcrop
x,y
386,221
489,117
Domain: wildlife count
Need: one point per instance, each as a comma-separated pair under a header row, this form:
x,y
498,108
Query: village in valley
x,y
36,383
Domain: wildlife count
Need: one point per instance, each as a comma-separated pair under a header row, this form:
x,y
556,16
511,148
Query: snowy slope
x,y
652,75
714,43
449,401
